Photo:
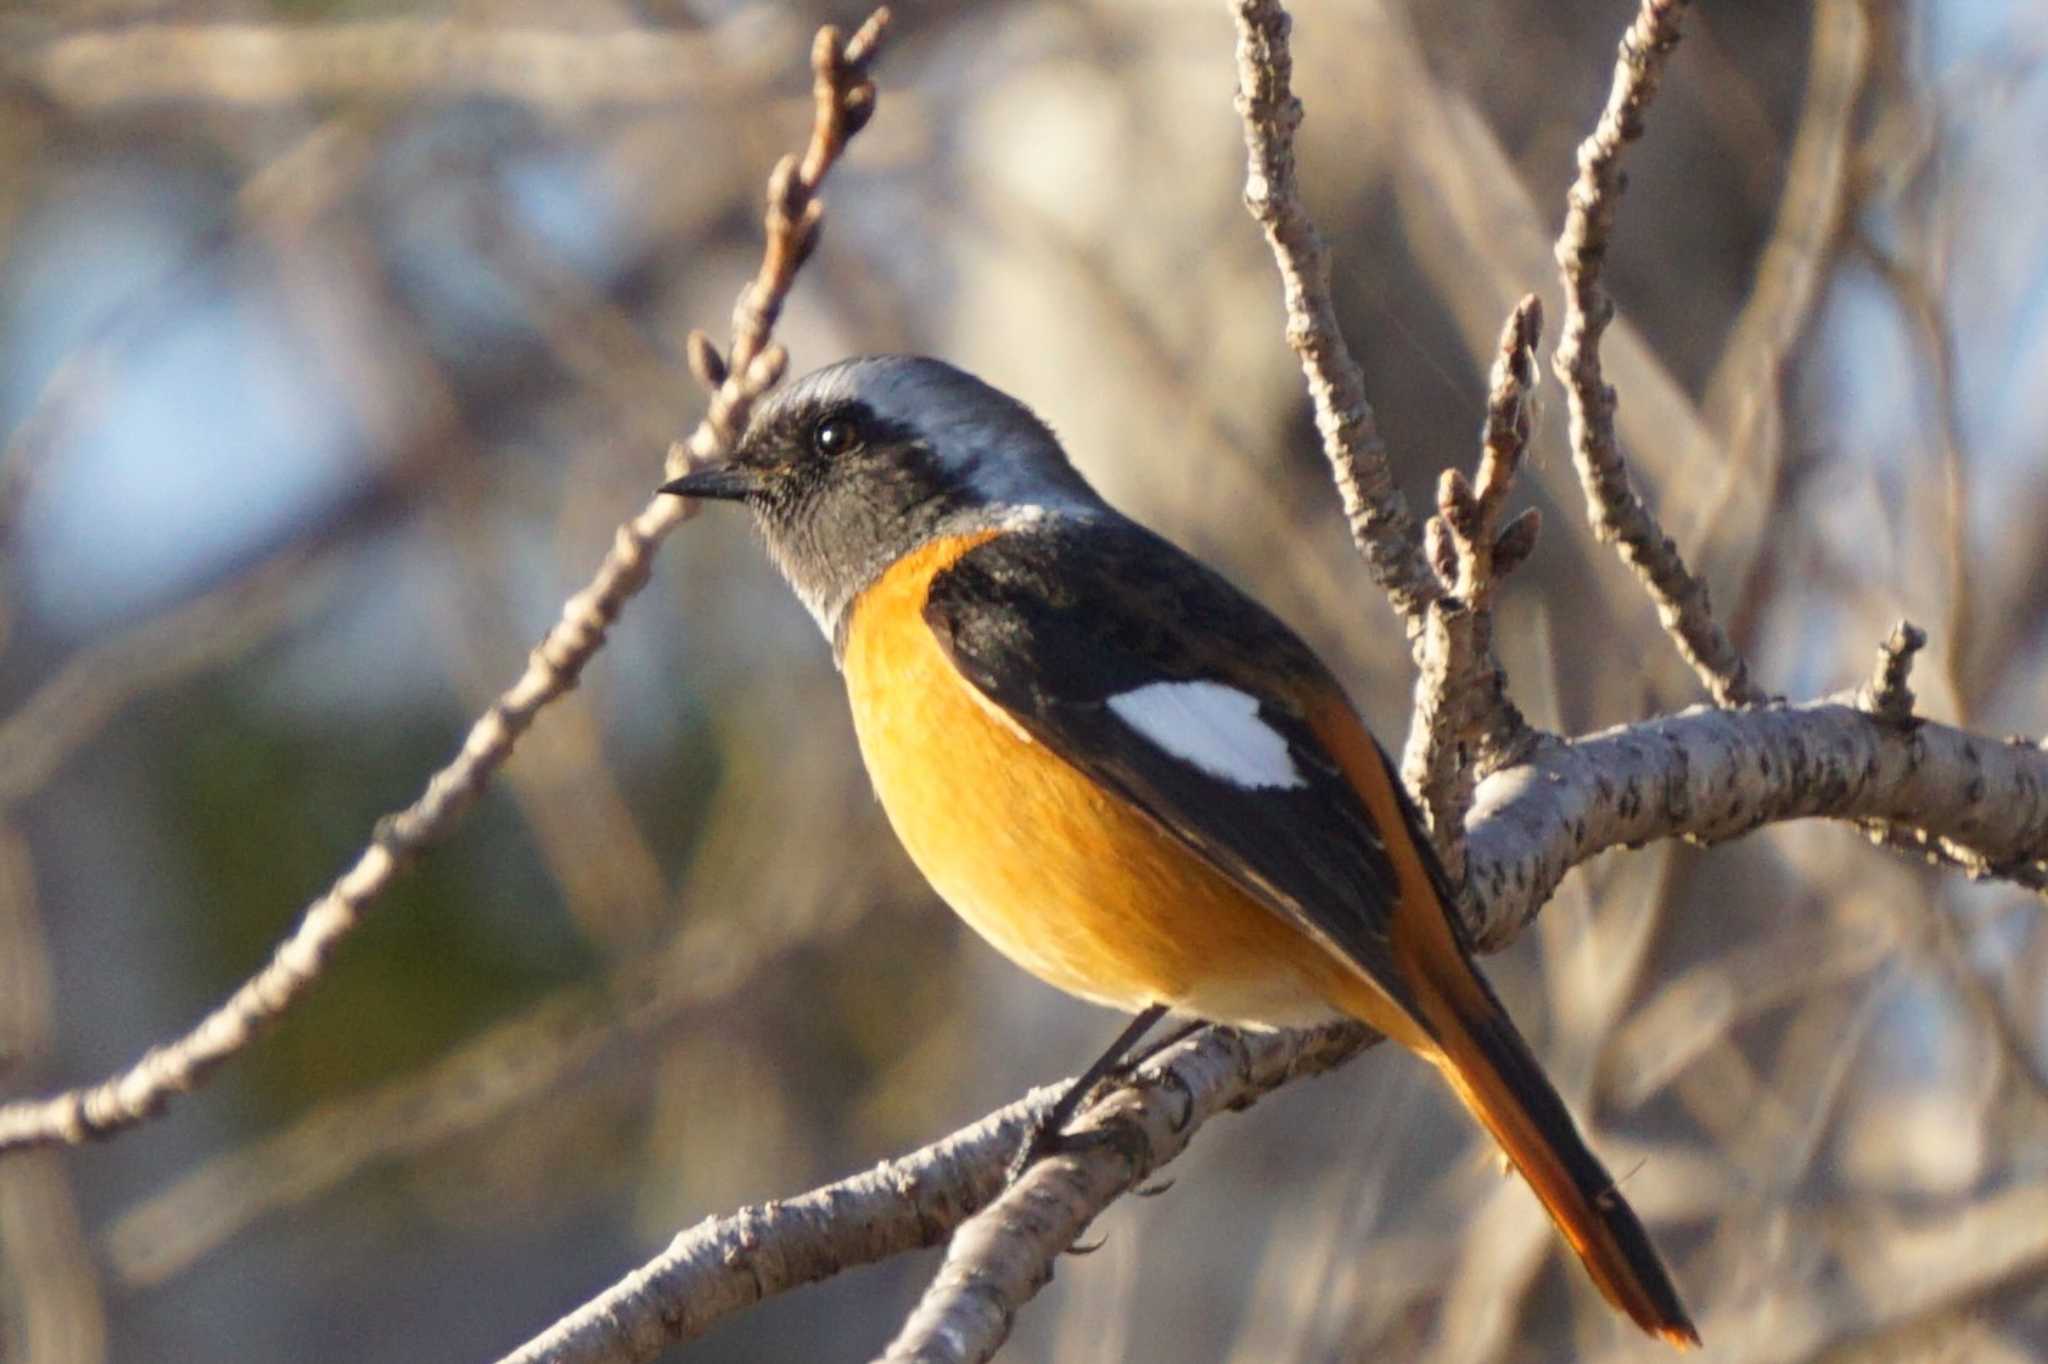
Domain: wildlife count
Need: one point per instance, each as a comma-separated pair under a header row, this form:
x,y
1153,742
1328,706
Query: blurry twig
x,y
1913,1267
1381,525
594,338
79,380
511,1065
60,1310
281,200
1464,723
484,1093
845,98
409,59
1921,299
286,194
1736,529
1617,513
567,793
57,1312
1699,1008
2019,1055
95,683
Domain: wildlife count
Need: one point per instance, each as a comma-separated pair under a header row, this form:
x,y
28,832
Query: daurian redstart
x,y
1124,773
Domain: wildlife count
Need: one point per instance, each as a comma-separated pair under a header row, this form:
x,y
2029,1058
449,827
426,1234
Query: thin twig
x,y
1464,725
142,1090
1617,512
1381,526
1483,552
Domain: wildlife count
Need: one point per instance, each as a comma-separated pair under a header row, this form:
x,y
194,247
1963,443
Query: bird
x,y
1124,773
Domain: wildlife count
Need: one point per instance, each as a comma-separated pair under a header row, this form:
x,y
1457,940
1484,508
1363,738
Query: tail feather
x,y
1492,1070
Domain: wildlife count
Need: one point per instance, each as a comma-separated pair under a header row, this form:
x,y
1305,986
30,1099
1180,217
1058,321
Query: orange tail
x,y
1492,1069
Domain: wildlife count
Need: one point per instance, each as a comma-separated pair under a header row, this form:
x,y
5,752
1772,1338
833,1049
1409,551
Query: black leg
x,y
1174,1038
1178,1035
1045,1133
1105,1065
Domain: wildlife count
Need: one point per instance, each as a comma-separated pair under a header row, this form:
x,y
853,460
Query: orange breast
x,y
1062,877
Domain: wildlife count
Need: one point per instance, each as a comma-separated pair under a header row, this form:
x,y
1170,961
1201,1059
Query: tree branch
x,y
726,1264
1616,511
145,1088
1706,775
1381,525
1004,1255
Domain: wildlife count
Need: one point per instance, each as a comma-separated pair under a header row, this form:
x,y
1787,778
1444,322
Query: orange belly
x,y
1062,877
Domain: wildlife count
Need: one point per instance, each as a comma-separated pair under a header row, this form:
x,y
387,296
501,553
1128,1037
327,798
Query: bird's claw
x,y
1126,1139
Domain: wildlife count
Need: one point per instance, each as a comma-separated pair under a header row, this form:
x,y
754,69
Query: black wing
x,y
1052,623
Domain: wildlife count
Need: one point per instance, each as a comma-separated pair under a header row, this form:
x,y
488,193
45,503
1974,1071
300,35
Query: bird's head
x,y
856,465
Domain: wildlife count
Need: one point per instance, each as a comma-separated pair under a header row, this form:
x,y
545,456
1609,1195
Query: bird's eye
x,y
835,435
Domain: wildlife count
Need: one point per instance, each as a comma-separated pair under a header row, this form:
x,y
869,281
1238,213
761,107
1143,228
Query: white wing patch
x,y
1212,727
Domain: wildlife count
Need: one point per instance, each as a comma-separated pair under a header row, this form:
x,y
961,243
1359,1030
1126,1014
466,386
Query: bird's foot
x,y
1125,1138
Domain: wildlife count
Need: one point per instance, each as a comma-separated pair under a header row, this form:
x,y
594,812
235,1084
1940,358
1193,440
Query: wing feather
x,y
1065,629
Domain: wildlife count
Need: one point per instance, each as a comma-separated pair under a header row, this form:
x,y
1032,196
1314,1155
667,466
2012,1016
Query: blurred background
x,y
336,337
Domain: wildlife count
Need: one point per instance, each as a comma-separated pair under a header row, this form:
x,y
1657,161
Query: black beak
x,y
719,483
